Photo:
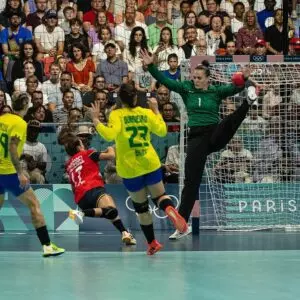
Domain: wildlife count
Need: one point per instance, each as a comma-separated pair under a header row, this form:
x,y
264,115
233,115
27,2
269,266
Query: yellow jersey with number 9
x,y
131,130
10,125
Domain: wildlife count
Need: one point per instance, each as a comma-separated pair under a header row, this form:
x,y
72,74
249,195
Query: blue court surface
x,y
212,266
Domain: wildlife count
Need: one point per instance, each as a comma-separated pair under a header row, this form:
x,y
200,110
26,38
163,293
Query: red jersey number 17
x,y
76,177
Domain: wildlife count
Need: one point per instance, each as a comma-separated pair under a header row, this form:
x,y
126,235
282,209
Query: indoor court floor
x,y
212,266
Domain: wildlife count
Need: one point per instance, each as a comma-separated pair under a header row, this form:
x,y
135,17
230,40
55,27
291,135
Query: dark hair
x,y
20,101
65,73
32,77
33,45
71,143
132,43
35,109
205,13
172,55
171,36
75,108
127,94
184,2
68,8
38,92
216,16
104,28
75,21
185,24
3,107
78,46
238,3
204,66
66,92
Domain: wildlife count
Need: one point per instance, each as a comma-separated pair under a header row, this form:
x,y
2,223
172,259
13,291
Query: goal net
x,y
254,182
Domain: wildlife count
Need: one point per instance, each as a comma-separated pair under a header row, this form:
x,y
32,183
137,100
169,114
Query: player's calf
x,y
165,203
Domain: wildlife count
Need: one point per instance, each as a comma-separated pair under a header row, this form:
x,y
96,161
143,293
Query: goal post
x,y
254,182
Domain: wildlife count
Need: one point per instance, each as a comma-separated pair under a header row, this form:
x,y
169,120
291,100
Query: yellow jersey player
x,y
13,131
137,161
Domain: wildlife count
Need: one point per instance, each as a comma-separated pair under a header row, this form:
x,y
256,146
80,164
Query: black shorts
x,y
90,198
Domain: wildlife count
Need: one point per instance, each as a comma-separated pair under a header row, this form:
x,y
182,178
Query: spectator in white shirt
x,y
123,30
49,37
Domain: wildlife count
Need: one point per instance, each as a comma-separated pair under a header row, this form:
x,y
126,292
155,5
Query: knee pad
x,y
109,213
141,208
166,201
155,200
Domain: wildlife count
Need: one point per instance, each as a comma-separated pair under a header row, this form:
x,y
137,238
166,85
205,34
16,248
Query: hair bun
x,y
205,63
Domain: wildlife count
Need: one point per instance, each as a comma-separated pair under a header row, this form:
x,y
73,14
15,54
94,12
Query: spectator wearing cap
x,y
260,47
274,34
114,70
81,68
35,19
49,37
105,37
12,37
14,6
34,157
248,35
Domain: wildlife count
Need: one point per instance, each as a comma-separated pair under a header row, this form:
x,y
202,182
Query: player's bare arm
x,y
108,154
13,150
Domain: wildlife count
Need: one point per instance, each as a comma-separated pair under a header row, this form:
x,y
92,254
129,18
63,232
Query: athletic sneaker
x,y
177,235
76,216
128,239
153,247
52,250
178,221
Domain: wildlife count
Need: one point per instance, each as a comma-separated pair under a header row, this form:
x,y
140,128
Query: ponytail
x,y
204,66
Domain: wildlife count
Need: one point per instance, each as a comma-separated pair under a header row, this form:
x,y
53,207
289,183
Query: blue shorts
x,y
137,183
11,183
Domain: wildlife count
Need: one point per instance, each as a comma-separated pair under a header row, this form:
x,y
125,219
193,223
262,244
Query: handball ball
x,y
238,79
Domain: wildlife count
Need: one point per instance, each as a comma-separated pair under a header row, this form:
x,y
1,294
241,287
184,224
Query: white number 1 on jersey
x,y
199,102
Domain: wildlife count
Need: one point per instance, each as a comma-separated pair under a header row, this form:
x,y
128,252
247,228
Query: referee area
x,y
214,265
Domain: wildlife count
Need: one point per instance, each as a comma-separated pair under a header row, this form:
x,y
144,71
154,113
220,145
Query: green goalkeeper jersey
x,y
202,105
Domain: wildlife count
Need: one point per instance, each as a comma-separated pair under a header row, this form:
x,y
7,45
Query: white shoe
x,y
251,93
76,216
128,239
177,235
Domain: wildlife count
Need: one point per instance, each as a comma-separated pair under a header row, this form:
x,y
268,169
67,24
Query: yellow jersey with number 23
x,y
10,125
131,130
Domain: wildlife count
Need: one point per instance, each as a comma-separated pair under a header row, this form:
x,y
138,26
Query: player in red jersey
x,y
88,186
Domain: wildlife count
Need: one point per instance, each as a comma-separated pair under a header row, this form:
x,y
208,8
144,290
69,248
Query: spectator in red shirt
x,y
81,68
90,16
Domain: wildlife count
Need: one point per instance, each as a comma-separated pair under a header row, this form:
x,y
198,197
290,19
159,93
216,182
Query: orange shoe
x,y
178,221
154,247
